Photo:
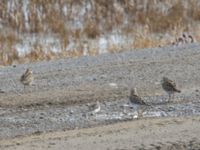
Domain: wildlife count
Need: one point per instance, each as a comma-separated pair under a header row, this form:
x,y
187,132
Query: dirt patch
x,y
140,134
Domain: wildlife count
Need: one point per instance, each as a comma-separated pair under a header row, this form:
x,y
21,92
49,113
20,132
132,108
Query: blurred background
x,y
33,30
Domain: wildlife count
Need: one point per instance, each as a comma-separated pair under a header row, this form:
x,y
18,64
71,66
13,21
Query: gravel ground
x,y
64,89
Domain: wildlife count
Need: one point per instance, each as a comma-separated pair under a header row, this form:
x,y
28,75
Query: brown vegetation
x,y
146,22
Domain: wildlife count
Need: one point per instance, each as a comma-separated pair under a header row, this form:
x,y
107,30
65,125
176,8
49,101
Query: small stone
x,y
71,112
113,85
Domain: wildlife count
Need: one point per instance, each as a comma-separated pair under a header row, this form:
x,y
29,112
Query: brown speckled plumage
x,y
169,86
135,99
27,78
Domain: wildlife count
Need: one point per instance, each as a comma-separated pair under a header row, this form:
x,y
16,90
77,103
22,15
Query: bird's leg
x,y
29,89
169,97
140,112
24,88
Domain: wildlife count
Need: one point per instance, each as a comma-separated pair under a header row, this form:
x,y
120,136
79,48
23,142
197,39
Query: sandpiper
x,y
169,86
27,78
135,99
95,108
137,102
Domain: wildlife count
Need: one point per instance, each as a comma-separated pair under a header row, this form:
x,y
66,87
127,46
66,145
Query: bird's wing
x,y
137,100
28,74
92,106
22,77
171,83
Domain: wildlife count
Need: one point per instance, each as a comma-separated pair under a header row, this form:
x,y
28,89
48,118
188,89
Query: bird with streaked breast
x,y
27,78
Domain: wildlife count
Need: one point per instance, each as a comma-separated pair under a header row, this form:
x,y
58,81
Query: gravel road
x,y
63,90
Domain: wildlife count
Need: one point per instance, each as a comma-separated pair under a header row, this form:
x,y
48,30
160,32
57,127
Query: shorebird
x,y
27,78
137,102
169,86
135,99
95,108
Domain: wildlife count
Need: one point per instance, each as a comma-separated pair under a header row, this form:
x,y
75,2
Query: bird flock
x,y
136,102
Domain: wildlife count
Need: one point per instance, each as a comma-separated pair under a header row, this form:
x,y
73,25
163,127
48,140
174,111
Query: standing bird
x,y
92,109
169,86
27,78
137,102
135,99
95,108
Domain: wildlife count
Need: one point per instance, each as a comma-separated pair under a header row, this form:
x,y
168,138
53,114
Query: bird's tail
x,y
179,91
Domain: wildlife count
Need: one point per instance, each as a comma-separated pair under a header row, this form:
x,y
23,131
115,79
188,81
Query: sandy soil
x,y
57,102
165,134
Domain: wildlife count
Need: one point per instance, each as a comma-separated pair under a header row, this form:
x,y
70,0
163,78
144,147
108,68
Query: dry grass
x,y
91,29
143,20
